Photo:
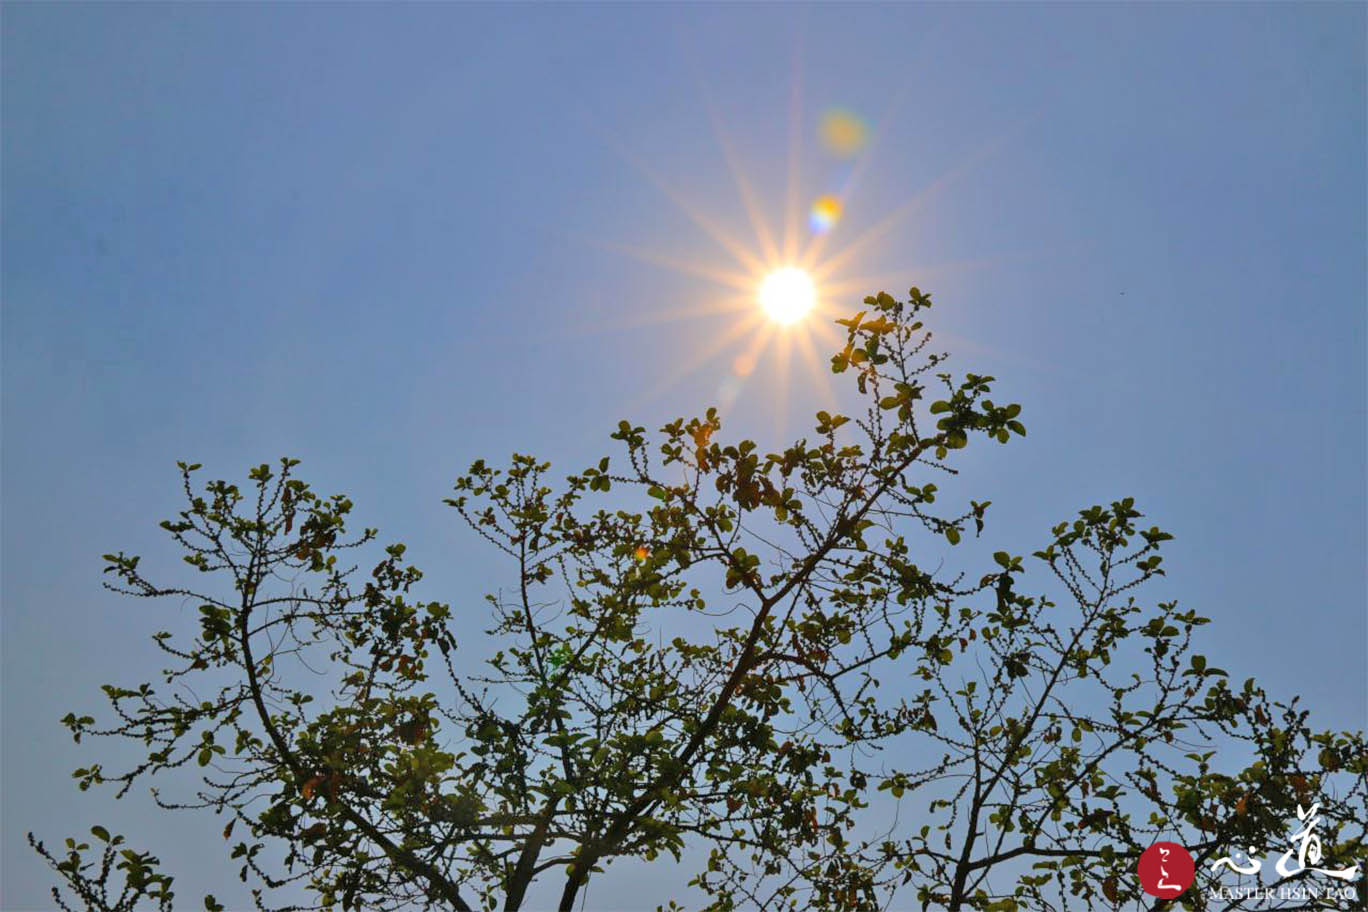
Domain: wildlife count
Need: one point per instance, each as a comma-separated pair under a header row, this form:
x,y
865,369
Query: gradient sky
x,y
382,240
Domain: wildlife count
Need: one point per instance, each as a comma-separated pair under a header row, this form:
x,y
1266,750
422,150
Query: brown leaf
x,y
228,830
1109,889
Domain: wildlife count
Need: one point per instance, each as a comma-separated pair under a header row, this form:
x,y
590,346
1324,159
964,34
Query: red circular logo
x,y
1166,870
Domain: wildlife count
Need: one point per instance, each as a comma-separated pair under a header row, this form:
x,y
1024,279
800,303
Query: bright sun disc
x,y
787,294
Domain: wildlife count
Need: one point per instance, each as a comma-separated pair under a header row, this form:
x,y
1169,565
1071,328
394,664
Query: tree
x,y
691,654
90,882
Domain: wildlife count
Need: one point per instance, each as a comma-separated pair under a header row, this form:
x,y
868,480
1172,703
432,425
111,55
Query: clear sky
x,y
389,240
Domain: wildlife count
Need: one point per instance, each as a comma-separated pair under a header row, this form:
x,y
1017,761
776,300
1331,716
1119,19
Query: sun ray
x,y
822,271
717,307
867,285
792,220
732,304
829,334
768,248
709,227
746,361
782,352
699,358
730,278
721,307
820,372
745,364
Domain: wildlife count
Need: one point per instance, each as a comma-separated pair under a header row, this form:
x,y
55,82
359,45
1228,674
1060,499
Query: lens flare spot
x,y
787,295
843,132
743,365
826,212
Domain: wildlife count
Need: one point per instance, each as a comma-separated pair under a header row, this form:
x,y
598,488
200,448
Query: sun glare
x,y
799,284
787,295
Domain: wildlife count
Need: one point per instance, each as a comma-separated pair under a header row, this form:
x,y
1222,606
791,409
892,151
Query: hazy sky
x,y
389,240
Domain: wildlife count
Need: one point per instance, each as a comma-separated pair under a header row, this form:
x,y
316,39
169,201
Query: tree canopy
x,y
700,648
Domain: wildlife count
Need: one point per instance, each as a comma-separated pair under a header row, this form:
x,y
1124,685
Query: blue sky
x,y
388,240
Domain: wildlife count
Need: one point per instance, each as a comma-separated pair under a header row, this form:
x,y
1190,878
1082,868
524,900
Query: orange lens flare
x,y
826,212
843,133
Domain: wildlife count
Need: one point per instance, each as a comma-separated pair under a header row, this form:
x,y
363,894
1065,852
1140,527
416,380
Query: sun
x,y
785,288
787,295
